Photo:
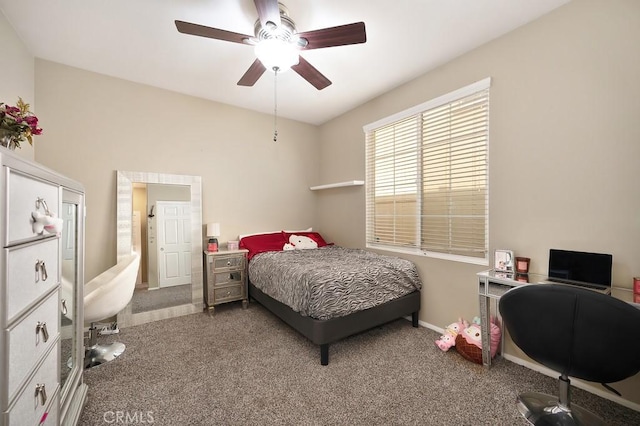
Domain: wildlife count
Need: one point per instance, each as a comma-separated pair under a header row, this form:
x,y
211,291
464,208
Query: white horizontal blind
x,y
392,172
454,175
427,176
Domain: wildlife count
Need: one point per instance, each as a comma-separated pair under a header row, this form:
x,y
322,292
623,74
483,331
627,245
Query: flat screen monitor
x,y
581,267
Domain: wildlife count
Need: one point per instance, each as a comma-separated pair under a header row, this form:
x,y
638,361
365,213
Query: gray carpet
x,y
148,300
246,367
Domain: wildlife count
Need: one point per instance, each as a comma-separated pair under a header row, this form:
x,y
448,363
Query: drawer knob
x,y
41,392
41,327
228,263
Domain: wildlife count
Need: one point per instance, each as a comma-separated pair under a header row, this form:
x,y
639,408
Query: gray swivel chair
x,y
569,330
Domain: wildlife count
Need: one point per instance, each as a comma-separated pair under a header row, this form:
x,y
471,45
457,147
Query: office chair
x,y
571,330
105,296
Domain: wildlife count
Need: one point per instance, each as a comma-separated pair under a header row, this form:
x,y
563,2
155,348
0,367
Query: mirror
x,y
161,234
72,278
68,290
170,280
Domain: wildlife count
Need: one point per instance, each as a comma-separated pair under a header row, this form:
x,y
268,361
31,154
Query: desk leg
x,y
485,314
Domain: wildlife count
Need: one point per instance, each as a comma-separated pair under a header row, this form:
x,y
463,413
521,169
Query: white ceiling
x,y
138,41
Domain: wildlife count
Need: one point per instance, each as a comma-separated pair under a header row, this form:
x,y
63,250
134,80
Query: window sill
x,y
435,255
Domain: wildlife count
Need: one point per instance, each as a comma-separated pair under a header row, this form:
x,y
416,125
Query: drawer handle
x,y
46,221
228,263
41,270
40,202
41,392
64,306
42,327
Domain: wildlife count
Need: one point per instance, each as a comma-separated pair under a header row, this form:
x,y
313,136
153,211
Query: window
x,y
427,177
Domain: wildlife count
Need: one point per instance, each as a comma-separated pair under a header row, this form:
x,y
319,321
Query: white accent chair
x,y
105,296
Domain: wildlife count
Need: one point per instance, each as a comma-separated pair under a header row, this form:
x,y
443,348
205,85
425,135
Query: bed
x,y
327,292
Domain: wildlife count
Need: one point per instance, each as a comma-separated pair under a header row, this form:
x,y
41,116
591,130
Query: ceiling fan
x,y
278,44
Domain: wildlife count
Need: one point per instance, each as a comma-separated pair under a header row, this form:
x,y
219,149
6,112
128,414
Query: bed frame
x,y
324,332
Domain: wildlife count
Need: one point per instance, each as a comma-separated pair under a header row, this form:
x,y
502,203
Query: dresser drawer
x,y
227,294
51,417
26,282
29,407
24,191
227,278
27,343
228,262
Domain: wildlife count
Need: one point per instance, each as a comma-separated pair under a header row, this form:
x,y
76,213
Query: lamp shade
x,y
213,229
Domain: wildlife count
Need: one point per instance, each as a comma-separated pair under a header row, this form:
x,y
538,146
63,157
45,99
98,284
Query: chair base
x,y
99,354
541,409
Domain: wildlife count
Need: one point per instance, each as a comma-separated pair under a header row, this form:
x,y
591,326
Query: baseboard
x,y
574,382
427,325
548,372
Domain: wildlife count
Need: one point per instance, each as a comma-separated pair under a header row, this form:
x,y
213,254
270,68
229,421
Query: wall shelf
x,y
338,185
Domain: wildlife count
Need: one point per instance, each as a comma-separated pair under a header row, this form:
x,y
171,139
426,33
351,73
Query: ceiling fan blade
x,y
268,11
335,36
311,74
252,75
202,31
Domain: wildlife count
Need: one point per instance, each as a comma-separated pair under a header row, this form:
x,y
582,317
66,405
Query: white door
x,y
174,242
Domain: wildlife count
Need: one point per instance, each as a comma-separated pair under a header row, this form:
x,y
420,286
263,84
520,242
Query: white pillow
x,y
302,242
241,236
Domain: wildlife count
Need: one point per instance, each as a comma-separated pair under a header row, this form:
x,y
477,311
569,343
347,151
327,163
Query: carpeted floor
x,y
148,300
246,367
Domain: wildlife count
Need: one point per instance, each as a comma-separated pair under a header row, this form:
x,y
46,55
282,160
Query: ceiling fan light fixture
x,y
276,54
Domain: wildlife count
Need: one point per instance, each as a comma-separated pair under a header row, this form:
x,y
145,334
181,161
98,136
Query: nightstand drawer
x,y
227,278
228,262
223,294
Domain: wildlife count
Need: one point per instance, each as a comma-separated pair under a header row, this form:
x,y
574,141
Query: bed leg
x,y
324,354
414,319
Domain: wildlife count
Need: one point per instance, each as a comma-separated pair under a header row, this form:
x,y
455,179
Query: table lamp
x,y
213,231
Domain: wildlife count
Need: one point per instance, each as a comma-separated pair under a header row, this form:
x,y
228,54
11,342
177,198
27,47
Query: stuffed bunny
x,y
448,339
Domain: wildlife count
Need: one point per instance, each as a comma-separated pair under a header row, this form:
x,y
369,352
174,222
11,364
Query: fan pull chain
x,y
275,104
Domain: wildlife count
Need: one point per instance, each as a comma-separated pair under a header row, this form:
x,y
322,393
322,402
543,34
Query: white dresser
x,y
41,277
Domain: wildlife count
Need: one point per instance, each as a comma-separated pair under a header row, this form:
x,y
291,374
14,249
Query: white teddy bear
x,y
300,242
43,222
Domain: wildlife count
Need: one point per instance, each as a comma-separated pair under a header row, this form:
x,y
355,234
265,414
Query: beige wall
x,y
564,149
97,125
17,69
565,102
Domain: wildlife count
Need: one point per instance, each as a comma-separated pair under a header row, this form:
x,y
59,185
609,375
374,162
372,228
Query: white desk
x,y
492,285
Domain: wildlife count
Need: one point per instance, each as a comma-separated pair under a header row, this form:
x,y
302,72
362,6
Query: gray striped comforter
x,y
332,281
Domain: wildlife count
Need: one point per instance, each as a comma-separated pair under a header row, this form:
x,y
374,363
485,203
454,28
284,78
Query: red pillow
x,y
262,242
313,235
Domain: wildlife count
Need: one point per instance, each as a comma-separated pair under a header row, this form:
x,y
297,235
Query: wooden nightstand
x,y
225,277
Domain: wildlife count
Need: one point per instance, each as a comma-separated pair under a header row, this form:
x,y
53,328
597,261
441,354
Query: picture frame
x,y
503,261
